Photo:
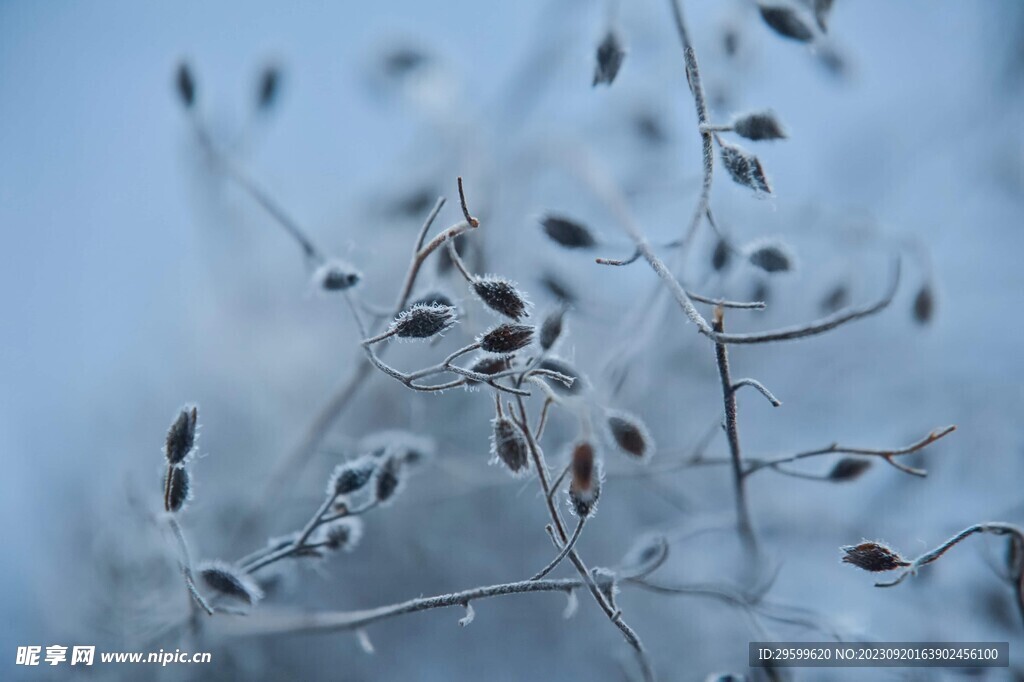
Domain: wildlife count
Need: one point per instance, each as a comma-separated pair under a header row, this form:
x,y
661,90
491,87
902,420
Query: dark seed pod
x,y
340,535
409,448
352,475
771,257
558,289
507,338
508,446
185,85
228,581
181,437
721,256
585,488
551,328
267,87
650,129
924,305
609,59
434,298
630,434
786,22
490,364
744,168
336,275
402,61
848,469
562,367
567,232
423,321
648,552
838,297
387,481
874,557
759,126
176,488
501,295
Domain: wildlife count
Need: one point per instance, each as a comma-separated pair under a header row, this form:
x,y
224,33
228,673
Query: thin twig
x,y
754,383
185,562
746,528
565,550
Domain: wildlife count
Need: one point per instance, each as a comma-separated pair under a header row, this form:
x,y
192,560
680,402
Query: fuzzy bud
x,y
508,446
228,581
351,476
507,338
176,488
874,557
759,126
609,59
786,22
744,168
489,365
558,289
185,85
340,534
267,87
554,364
771,257
335,275
410,448
721,255
434,298
568,233
924,305
585,488
551,329
848,469
424,321
387,482
836,298
181,437
630,435
501,295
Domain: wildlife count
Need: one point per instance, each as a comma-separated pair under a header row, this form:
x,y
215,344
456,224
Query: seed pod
x,y
508,446
786,22
585,488
836,298
630,434
759,126
185,85
387,482
609,59
848,469
558,289
401,61
228,581
434,298
409,448
267,88
424,321
771,257
507,338
551,328
336,275
341,534
744,168
721,256
567,232
501,295
562,367
650,128
649,551
181,437
822,10
924,305
177,488
351,476
488,365
874,557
